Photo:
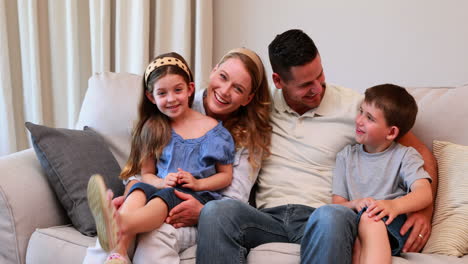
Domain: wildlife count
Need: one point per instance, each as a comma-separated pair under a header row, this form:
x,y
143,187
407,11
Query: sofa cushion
x,y
69,157
450,222
442,114
60,244
110,107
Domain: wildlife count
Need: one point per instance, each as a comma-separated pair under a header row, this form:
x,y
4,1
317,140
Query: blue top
x,y
198,155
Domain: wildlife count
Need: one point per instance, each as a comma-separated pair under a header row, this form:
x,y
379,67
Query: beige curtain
x,y
49,49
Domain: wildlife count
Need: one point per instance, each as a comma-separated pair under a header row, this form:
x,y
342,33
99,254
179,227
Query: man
x,y
311,122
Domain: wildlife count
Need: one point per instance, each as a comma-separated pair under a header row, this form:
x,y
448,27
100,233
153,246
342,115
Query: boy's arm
x,y
336,199
357,204
420,221
419,198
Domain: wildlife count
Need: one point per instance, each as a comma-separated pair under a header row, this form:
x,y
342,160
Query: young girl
x,y
173,147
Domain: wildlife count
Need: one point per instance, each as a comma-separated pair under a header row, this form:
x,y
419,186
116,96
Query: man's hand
x,y
421,224
185,213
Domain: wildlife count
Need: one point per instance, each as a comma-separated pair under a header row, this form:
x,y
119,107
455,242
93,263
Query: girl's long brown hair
x,y
250,125
153,130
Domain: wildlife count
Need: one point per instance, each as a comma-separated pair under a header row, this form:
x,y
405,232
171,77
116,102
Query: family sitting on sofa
x,y
185,169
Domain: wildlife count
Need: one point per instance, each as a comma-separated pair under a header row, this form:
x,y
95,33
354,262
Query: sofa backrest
x,y
110,108
442,114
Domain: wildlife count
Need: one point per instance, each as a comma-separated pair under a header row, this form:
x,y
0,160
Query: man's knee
x,y
331,211
219,209
333,215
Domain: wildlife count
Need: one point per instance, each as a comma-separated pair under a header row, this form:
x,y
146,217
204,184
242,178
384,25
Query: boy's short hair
x,y
290,48
398,106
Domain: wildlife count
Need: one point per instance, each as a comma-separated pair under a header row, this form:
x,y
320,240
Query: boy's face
x,y
372,130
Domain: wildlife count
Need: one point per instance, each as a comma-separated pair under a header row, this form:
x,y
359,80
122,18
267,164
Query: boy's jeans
x,y
228,229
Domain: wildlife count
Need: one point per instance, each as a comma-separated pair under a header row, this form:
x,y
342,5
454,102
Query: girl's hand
x,y
171,179
187,180
363,202
381,208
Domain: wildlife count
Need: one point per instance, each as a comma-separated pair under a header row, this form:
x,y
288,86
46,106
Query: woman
x,y
238,95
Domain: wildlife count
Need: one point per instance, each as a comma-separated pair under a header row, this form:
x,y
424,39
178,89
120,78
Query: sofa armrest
x,y
27,202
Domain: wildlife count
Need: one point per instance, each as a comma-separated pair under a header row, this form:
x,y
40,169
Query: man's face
x,y
306,88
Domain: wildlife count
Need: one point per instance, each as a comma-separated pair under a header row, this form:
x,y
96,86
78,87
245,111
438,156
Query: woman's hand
x,y
185,213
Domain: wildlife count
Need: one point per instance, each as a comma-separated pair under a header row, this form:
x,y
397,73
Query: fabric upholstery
x,y
450,222
69,158
59,244
442,114
110,108
21,214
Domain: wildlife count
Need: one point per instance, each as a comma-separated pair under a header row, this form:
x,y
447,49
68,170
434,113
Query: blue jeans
x,y
228,229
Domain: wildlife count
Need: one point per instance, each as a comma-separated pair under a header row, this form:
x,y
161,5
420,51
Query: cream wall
x,y
362,42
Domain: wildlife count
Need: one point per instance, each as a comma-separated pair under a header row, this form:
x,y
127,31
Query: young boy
x,y
379,178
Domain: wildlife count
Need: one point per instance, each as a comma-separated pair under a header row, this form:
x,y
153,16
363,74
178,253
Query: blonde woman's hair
x,y
250,125
152,131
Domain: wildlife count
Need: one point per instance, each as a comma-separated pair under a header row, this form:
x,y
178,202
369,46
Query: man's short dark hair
x,y
291,48
398,106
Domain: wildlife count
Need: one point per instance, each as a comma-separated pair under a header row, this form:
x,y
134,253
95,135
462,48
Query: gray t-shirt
x,y
383,176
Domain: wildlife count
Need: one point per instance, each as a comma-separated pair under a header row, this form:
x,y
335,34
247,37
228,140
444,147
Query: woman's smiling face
x,y
230,87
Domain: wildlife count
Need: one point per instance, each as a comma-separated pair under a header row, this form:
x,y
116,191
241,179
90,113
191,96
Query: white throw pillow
x,y
450,223
110,108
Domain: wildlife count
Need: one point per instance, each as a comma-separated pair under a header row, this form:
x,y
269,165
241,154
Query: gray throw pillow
x,y
69,158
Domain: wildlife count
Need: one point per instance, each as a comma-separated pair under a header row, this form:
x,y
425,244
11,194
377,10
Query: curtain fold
x,y
49,49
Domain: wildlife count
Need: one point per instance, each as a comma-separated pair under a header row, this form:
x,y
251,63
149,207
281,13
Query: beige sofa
x,y
35,229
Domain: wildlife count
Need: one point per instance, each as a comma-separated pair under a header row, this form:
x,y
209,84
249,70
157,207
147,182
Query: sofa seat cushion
x,y
273,253
60,244
285,253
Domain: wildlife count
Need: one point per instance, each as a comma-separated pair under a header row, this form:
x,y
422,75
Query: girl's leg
x,y
375,246
142,219
133,202
357,251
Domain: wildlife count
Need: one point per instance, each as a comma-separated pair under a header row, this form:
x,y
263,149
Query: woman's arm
x,y
244,177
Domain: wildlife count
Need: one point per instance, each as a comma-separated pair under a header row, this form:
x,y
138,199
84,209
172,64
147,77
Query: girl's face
x,y
171,95
229,88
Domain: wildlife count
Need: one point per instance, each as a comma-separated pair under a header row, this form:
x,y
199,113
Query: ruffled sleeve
x,y
218,147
